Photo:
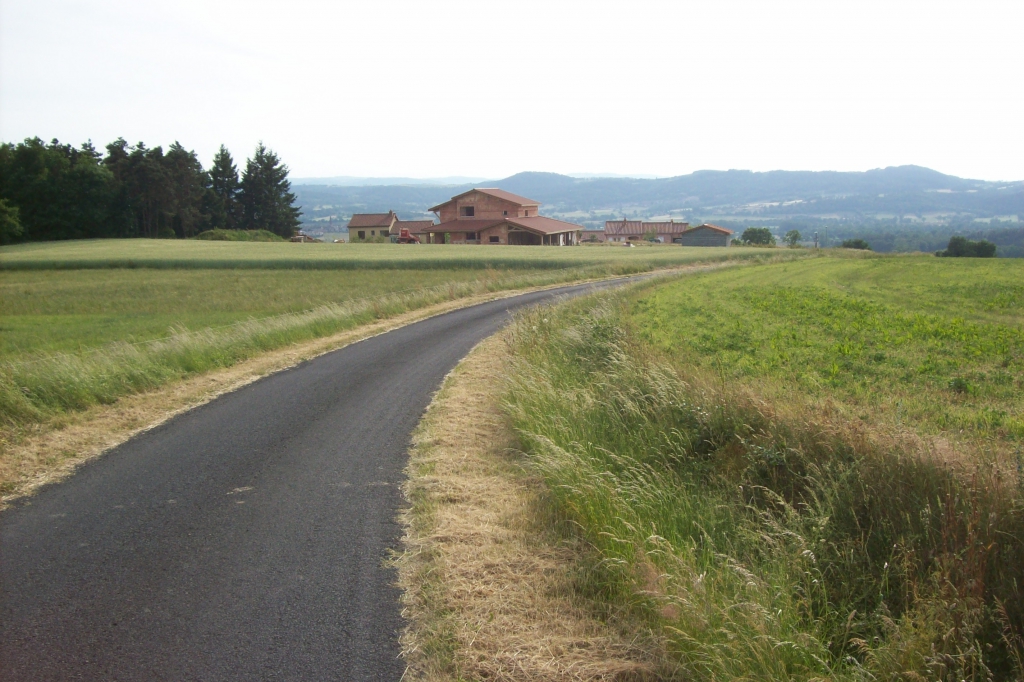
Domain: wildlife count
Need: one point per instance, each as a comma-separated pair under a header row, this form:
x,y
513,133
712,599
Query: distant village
x,y
487,215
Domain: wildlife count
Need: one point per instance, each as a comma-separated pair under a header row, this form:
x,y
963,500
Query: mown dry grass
x,y
487,578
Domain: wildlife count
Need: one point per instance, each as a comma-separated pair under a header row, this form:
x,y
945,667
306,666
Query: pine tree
x,y
187,184
265,195
224,206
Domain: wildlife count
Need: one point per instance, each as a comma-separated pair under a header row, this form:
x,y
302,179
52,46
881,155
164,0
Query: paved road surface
x,y
242,540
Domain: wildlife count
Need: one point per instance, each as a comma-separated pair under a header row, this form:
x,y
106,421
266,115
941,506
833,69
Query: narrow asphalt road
x,y
243,540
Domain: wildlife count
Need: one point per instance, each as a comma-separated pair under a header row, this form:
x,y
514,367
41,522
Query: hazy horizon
x,y
656,89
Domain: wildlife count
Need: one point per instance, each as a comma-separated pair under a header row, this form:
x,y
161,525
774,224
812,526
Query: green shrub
x,y
856,244
961,247
220,235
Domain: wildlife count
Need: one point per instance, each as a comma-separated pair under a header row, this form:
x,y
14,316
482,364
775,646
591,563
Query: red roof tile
x,y
372,219
462,225
538,224
544,225
711,227
494,192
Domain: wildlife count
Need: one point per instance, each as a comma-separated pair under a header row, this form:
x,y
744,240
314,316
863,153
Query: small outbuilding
x,y
637,230
706,235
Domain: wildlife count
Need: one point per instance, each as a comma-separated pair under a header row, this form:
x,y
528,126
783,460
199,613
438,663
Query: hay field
x,y
807,470
156,253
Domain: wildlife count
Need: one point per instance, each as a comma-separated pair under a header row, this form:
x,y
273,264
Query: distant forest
x,y
57,191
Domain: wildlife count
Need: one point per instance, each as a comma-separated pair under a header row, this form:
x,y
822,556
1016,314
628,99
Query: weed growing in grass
x,y
767,542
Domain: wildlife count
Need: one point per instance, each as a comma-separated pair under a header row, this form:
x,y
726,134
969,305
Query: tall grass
x,y
37,388
763,542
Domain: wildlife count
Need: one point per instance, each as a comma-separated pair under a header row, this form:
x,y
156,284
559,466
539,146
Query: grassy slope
x,y
734,496
939,346
69,310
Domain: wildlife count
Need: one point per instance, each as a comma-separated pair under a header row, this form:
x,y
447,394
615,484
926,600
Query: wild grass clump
x,y
764,542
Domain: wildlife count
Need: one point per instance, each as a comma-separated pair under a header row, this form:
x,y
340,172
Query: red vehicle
x,y
406,237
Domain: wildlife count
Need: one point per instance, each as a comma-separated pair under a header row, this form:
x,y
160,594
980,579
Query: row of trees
x,y
57,191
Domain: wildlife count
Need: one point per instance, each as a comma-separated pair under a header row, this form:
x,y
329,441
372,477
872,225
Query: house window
x,y
373,233
470,236
467,211
362,235
504,213
527,213
495,240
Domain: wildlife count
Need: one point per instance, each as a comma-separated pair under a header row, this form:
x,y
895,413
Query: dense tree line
x,y
57,191
961,247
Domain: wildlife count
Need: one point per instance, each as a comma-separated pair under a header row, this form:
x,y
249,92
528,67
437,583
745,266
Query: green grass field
x,y
84,323
804,470
43,311
904,340
155,253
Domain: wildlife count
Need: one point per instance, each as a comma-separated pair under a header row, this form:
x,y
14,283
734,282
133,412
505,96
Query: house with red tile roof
x,y
487,215
369,225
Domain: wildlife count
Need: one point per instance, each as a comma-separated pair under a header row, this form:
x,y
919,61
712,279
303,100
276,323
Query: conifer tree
x,y
265,195
224,184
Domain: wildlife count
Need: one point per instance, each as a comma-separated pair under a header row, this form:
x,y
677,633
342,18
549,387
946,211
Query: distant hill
x,y
907,195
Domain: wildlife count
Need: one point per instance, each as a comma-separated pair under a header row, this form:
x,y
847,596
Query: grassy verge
x,y
736,500
486,577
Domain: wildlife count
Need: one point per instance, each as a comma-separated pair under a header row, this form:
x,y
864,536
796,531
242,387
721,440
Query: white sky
x,y
427,89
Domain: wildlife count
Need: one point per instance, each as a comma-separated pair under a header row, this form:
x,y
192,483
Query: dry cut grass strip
x,y
487,580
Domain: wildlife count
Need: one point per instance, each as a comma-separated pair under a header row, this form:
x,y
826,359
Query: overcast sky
x,y
427,89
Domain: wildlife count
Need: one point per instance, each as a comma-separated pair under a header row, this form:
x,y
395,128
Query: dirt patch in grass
x,y
487,579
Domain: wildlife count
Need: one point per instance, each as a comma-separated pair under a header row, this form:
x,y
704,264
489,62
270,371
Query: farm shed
x,y
492,216
706,235
635,230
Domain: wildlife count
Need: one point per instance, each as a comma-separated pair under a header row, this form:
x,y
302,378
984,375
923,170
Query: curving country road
x,y
243,540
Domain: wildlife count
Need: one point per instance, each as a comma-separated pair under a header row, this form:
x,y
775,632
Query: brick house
x,y
368,225
635,230
492,216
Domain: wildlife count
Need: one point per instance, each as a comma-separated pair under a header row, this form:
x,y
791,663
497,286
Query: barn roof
x,y
630,227
709,226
